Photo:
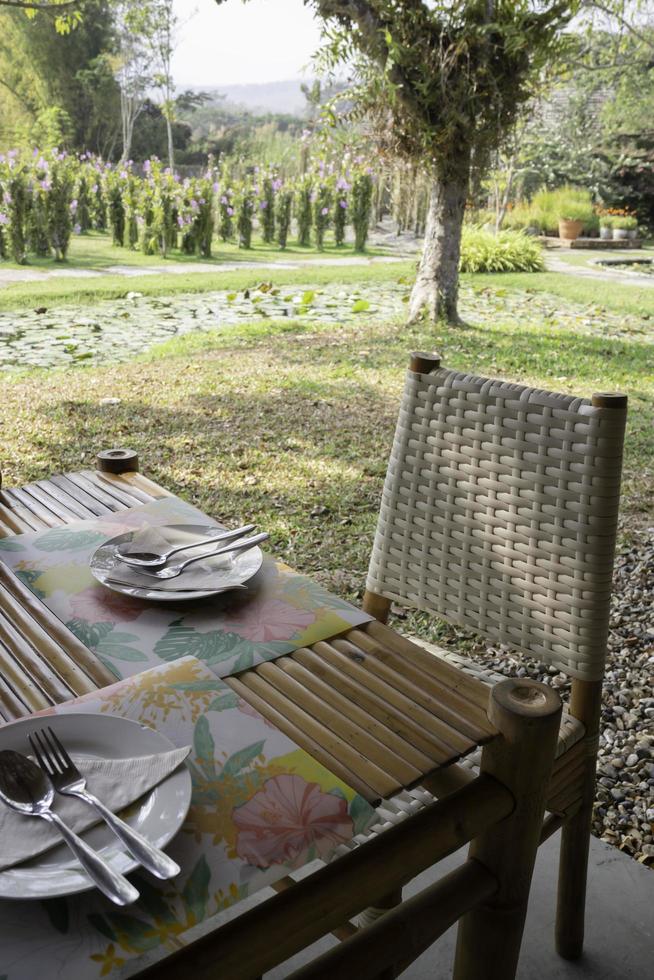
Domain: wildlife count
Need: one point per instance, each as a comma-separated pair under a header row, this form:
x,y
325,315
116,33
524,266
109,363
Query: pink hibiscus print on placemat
x,y
269,620
288,816
97,605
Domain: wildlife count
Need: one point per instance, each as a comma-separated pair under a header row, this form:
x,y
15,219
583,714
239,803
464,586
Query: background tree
x,y
134,61
164,25
443,82
48,78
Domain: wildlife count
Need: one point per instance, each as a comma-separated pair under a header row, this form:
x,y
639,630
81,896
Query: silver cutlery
x,y
173,570
151,559
68,780
28,789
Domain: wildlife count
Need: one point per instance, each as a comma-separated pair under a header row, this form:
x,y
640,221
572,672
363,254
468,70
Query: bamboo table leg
x,y
527,715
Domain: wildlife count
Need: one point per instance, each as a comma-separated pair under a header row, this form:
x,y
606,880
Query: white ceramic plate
x,y
242,568
158,815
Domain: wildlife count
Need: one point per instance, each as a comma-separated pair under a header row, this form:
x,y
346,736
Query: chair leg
x,y
573,870
586,705
527,715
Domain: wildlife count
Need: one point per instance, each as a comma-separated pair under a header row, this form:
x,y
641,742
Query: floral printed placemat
x,y
280,612
260,807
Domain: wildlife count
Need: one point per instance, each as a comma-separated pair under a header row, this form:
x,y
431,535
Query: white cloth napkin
x,y
117,782
210,574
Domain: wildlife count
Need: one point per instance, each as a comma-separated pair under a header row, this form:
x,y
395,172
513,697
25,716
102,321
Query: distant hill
x,y
282,97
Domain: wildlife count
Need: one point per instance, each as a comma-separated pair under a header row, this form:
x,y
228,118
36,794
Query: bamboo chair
x,y
499,513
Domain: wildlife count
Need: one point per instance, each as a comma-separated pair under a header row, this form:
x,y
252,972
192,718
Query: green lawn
x,y
94,251
290,424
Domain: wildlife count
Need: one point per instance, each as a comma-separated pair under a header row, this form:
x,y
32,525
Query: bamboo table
x,y
374,708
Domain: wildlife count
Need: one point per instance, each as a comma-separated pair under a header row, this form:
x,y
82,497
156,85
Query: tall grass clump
x,y
508,251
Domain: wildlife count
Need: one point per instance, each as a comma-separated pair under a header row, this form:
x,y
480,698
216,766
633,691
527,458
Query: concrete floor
x,y
619,924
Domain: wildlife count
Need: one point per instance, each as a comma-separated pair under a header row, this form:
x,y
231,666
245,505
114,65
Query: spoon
x,y
152,559
173,570
28,790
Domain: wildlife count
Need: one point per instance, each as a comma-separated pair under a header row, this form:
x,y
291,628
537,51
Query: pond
x,y
115,330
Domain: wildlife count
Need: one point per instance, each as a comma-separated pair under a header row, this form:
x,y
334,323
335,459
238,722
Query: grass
x,y
82,292
597,293
94,251
290,424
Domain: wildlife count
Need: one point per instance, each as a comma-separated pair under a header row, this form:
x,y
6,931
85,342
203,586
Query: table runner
x,y
261,806
281,612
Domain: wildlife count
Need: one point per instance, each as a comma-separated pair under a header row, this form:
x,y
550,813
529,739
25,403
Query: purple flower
x,y
342,184
277,184
342,204
224,200
6,197
94,189
180,221
4,219
230,212
77,229
123,174
45,184
263,205
216,187
12,153
325,211
73,206
202,201
147,167
194,204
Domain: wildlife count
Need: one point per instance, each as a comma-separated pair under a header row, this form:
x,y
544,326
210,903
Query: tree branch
x,y
43,7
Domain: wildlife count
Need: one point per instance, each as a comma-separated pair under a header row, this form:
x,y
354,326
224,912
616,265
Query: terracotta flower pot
x,y
569,230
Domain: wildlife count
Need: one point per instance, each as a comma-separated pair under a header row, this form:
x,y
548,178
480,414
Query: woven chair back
x,y
499,512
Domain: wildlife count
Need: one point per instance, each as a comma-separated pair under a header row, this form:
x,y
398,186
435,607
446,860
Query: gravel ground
x,y
624,799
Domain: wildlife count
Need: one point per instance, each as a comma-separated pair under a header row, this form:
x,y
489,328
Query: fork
x,y
68,780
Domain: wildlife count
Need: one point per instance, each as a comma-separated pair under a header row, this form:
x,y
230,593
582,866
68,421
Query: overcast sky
x,y
236,43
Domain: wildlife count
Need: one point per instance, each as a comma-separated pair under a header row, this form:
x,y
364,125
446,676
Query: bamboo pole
x,y
268,934
393,942
527,715
586,705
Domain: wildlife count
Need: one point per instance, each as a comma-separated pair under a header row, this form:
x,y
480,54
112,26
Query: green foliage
x,y
267,210
245,213
549,207
284,210
442,78
322,201
303,210
361,198
508,251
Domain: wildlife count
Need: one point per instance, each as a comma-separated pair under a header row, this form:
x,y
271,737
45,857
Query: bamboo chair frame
x,y
571,793
308,694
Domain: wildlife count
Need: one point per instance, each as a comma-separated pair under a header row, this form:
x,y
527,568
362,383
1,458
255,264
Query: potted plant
x,y
573,216
631,224
606,227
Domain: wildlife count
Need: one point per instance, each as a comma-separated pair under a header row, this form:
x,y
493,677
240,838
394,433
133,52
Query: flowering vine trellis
x,y
46,197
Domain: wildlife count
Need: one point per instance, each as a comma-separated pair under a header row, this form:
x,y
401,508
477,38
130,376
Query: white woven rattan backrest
x,y
499,512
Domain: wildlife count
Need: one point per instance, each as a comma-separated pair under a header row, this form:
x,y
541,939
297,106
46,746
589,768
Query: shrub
x,y
60,208
322,201
303,212
361,209
226,214
284,207
245,215
267,210
509,251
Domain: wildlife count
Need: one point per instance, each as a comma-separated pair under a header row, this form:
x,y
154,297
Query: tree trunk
x,y
435,292
171,148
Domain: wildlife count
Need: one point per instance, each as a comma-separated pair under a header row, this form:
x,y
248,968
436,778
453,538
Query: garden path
x,y
9,276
